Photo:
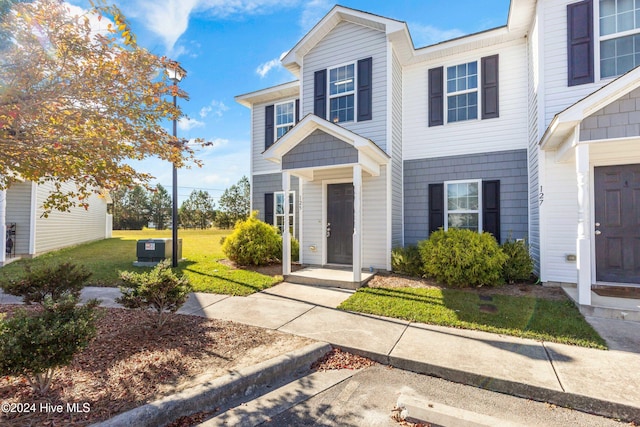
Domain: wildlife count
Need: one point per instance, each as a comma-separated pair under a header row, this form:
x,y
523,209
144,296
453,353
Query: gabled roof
x,y
265,95
371,155
565,122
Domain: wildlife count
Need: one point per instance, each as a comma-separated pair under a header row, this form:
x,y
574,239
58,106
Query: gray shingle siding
x,y
620,119
510,167
319,149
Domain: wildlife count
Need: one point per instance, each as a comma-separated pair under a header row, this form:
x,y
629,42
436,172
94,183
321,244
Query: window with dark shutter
x,y
436,96
268,208
490,98
297,118
436,207
268,126
320,94
364,89
580,42
491,208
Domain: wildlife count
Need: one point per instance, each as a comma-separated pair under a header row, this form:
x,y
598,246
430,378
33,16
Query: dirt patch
x,y
392,280
268,270
129,364
338,359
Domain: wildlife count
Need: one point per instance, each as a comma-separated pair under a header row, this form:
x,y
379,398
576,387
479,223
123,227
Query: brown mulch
x,y
130,363
338,359
268,270
392,280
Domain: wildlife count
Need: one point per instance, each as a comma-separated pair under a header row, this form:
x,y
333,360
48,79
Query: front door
x,y
340,223
617,223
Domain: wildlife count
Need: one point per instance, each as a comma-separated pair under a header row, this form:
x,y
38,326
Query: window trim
x,y
352,92
462,92
599,39
446,201
275,118
292,212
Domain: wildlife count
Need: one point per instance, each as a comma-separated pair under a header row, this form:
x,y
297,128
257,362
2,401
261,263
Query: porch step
x,y
328,277
607,307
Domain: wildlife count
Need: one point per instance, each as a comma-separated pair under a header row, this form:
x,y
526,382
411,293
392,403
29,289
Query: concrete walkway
x,y
602,382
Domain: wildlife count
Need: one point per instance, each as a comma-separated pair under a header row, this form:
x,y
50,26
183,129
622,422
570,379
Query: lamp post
x,y
175,73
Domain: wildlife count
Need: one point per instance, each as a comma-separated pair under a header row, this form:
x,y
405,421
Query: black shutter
x,y
491,208
268,208
297,118
436,96
268,126
580,42
364,89
436,207
320,94
490,101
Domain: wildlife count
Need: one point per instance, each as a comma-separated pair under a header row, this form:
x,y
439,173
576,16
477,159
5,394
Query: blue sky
x,y
231,47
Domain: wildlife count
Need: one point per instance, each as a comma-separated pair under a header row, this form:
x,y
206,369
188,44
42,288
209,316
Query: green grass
x,y
106,258
527,317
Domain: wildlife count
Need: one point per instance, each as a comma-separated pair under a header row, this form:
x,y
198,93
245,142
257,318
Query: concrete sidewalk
x,y
597,381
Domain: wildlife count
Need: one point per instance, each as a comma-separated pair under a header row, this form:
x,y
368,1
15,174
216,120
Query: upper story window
x,y
342,93
462,92
285,117
462,205
619,22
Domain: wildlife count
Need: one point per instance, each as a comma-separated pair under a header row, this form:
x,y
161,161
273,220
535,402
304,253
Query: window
x,y
279,211
619,36
462,205
285,117
342,93
462,92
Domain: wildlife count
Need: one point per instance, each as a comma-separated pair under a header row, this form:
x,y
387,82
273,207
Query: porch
x,y
333,277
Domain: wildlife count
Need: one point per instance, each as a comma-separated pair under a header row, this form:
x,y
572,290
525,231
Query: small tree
x,y
160,207
198,210
34,345
57,282
159,289
253,242
235,201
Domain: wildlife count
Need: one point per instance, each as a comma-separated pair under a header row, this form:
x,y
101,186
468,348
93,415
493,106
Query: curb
x,y
575,401
219,390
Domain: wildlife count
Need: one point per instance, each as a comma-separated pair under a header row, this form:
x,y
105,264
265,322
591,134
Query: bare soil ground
x,y
392,280
130,363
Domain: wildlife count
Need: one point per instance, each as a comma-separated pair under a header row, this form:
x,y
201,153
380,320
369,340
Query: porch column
x,y
583,244
286,235
3,227
357,223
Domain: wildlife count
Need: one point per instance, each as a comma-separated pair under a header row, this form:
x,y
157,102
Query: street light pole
x,y
176,73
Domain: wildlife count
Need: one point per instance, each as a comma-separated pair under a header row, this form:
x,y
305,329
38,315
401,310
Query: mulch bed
x,y
130,363
392,280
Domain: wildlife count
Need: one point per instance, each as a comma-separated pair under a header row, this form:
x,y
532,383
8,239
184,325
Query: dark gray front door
x,y
340,223
617,211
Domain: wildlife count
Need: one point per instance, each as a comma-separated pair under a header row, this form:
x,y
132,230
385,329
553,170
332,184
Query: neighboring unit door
x,y
340,223
617,223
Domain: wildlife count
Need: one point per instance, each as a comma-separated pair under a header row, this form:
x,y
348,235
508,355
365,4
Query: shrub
x,y
253,242
57,282
407,261
463,258
159,289
34,345
519,265
295,250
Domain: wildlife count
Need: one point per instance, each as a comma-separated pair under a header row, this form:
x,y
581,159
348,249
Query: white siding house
x,y
34,234
536,122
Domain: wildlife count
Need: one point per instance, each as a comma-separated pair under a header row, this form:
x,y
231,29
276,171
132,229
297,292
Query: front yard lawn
x,y
201,248
527,317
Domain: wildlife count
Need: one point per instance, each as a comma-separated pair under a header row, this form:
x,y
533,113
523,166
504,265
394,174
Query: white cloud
x,y
97,24
264,68
425,35
216,107
187,123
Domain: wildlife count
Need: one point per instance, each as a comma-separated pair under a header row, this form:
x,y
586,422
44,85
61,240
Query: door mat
x,y
617,291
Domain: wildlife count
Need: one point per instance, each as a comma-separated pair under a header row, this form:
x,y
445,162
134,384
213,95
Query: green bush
x,y
253,242
462,258
519,265
295,250
34,345
407,261
159,289
57,282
